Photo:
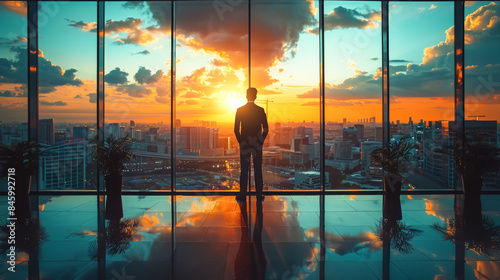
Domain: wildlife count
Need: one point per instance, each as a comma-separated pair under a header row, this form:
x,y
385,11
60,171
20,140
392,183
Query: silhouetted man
x,y
251,136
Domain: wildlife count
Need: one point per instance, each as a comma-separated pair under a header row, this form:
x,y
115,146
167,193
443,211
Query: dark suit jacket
x,y
253,121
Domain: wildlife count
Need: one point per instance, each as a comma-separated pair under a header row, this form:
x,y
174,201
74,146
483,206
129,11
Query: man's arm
x,y
237,122
265,126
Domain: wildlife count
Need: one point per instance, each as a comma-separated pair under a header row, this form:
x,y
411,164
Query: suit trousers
x,y
253,150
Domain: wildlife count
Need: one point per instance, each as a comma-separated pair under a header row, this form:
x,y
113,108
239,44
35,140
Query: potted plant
x,y
394,159
22,159
117,236
473,158
482,236
29,235
110,156
398,234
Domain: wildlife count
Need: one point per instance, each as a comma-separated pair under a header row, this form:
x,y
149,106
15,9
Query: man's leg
x,y
245,165
257,165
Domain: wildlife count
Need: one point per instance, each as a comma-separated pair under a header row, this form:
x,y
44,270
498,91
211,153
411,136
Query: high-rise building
x,y
63,166
487,130
138,135
81,132
59,136
46,131
343,150
285,136
367,148
303,132
361,131
92,133
153,131
312,150
298,141
351,134
24,131
113,130
197,138
121,131
437,166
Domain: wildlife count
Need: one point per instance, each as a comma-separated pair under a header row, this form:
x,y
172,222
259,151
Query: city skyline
x,y
212,76
212,66
207,156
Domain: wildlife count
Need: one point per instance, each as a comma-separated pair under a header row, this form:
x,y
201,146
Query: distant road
x,y
235,156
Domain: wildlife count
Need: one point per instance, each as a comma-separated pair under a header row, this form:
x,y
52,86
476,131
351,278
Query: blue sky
x,y
211,73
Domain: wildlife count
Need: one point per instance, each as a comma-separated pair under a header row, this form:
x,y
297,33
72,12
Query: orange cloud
x,y
131,26
483,18
261,78
17,7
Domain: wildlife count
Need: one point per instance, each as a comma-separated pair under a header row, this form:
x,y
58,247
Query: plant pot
x,y
392,201
114,207
472,184
114,184
23,205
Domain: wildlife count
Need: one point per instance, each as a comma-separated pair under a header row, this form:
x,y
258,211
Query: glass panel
x,y
416,245
13,76
67,73
285,71
67,239
212,61
353,93
137,89
482,76
143,234
421,89
353,249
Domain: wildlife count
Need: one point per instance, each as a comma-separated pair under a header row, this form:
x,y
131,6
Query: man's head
x,y
251,94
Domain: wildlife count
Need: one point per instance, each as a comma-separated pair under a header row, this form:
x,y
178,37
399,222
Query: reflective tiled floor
x,y
284,237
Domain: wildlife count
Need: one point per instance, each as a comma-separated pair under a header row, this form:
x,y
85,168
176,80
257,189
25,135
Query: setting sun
x,y
232,100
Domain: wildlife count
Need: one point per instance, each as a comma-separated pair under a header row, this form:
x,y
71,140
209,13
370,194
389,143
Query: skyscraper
x,y
63,166
59,136
361,131
46,131
81,132
121,131
350,134
113,130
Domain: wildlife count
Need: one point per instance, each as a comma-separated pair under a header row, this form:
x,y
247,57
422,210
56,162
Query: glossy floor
x,y
284,237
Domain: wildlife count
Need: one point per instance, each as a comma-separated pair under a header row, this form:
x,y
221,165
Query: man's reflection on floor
x,y
255,267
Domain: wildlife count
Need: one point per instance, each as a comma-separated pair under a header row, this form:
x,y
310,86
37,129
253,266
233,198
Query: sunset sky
x,y
212,60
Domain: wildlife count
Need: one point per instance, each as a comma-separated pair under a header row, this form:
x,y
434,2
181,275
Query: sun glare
x,y
232,100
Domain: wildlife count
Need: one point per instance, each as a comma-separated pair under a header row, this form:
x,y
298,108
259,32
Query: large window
x,y
482,76
421,76
67,86
212,70
285,69
137,93
13,75
223,48
353,107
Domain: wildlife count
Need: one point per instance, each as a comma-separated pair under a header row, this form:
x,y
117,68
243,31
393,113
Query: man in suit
x,y
250,136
